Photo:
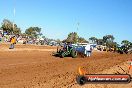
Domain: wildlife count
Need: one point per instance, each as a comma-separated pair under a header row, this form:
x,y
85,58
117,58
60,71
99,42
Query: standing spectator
x,y
130,67
13,41
88,50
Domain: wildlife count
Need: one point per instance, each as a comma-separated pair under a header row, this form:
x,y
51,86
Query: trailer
x,y
83,48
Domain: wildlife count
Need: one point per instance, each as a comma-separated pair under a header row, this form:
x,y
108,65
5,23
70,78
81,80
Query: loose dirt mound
x,y
39,69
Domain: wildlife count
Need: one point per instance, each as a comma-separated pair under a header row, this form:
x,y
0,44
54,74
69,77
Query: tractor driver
x,y
67,46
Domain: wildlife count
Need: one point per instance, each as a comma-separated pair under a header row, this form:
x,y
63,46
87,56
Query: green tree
x,y
10,27
131,44
16,30
82,40
100,41
112,44
93,39
7,26
108,40
33,32
72,37
125,42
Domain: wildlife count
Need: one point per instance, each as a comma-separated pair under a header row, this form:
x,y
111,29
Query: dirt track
x,y
30,66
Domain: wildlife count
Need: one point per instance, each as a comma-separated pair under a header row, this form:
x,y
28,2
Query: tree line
x,y
33,32
11,28
107,40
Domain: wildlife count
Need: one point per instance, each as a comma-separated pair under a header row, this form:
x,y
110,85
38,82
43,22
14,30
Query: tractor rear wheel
x,y
73,54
